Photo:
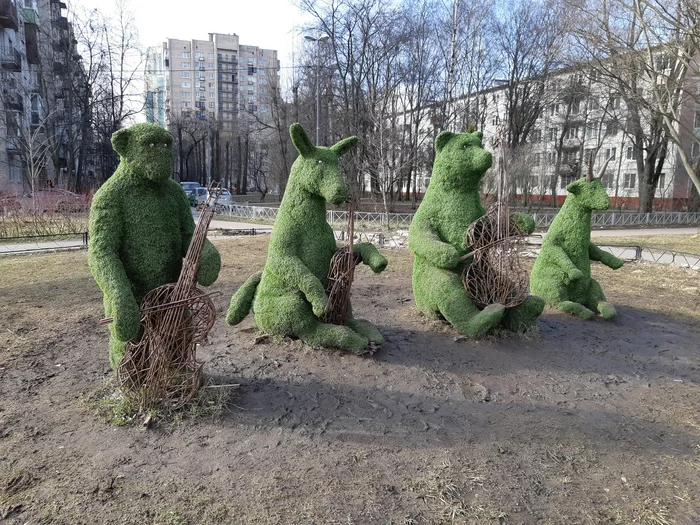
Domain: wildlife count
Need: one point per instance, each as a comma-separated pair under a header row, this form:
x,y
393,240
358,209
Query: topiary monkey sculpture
x,y
140,228
562,271
289,296
437,238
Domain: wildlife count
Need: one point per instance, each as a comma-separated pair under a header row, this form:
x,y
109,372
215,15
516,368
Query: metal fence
x,y
620,218
401,221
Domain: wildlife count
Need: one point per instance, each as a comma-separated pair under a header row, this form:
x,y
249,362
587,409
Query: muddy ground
x,y
581,422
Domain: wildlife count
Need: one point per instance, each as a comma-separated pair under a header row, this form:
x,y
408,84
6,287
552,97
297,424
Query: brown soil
x,y
582,422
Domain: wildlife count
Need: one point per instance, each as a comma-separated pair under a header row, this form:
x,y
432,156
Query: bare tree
x,y
644,52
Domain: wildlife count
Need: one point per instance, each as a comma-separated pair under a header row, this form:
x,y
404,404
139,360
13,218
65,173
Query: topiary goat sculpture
x,y
289,296
562,272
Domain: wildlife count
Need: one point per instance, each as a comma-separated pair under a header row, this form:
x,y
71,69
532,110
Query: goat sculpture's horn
x,y
601,172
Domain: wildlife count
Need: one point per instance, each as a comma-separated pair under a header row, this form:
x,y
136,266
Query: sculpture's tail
x,y
242,300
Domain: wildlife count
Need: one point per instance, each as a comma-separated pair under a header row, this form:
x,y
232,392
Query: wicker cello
x,y
341,273
495,273
162,365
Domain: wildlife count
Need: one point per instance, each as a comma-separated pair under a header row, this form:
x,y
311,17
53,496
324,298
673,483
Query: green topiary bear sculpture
x,y
289,296
437,238
562,271
140,228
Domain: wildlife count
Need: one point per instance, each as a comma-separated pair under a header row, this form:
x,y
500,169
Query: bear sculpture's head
x,y
316,170
460,161
145,151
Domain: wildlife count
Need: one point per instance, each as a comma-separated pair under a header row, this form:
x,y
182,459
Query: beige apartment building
x,y
217,79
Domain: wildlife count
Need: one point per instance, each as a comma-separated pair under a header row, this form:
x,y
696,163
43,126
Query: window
x,y
631,153
185,74
614,102
536,136
608,181
697,119
37,109
210,75
185,54
593,103
592,130
185,65
630,179
211,94
185,84
553,110
186,104
572,132
536,159
610,153
251,69
611,129
662,182
551,157
575,106
211,105
551,134
199,54
695,151
185,94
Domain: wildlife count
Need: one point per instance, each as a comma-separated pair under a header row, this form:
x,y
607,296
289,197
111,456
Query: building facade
x,y
39,117
577,118
216,79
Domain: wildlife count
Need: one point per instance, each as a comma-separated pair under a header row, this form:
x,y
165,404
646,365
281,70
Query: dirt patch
x,y
582,422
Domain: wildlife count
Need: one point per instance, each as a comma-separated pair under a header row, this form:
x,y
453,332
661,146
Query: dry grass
x,y
680,243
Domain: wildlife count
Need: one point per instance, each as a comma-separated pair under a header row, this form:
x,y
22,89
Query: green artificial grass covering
x,y
140,228
437,238
289,297
562,271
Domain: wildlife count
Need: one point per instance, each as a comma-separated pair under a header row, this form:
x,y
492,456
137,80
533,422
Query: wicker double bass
x,y
162,365
495,274
341,273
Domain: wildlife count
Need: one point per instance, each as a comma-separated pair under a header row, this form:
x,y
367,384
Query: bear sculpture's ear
x,y
120,141
576,186
480,135
442,139
344,146
300,139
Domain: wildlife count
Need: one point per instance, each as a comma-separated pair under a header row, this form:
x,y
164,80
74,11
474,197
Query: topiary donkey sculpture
x,y
289,296
562,272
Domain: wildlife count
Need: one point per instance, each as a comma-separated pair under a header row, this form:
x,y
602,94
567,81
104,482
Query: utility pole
x,y
318,41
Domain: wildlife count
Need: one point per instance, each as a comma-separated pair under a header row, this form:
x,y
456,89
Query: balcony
x,y
15,103
10,59
8,14
62,23
32,43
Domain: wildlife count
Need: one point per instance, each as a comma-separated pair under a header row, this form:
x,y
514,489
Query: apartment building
x,y
582,119
217,79
38,118
579,117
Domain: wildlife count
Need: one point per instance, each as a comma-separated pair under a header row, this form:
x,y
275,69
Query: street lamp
x,y
318,41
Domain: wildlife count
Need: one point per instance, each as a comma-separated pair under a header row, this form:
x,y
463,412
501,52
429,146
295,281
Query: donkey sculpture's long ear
x,y
300,139
442,139
120,141
344,146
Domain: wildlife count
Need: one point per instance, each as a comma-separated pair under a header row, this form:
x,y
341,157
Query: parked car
x,y
225,197
195,193
54,200
188,186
